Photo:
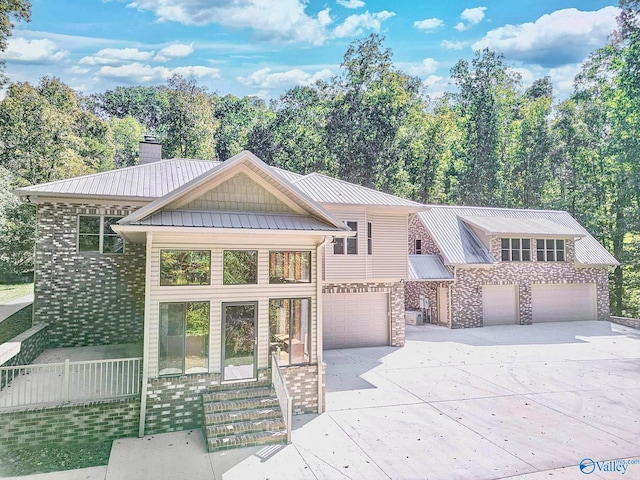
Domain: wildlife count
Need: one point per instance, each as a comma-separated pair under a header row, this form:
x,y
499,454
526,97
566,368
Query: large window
x,y
183,338
289,330
185,267
95,235
550,250
240,267
516,249
289,267
351,242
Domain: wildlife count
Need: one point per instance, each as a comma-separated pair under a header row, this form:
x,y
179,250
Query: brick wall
x,y
627,322
418,231
302,383
92,422
413,291
396,295
32,343
86,298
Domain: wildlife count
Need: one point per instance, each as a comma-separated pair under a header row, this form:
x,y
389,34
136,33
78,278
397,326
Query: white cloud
x,y
79,70
562,79
273,20
143,73
177,50
351,3
266,79
428,24
472,16
355,25
422,69
555,39
37,51
453,45
116,56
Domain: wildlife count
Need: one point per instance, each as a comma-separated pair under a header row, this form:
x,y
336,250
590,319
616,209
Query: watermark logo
x,y
588,466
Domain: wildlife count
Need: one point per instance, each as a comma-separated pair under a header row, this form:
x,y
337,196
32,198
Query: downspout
x,y
145,354
319,281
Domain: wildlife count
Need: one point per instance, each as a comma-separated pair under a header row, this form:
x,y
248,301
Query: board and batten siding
x,y
389,258
216,294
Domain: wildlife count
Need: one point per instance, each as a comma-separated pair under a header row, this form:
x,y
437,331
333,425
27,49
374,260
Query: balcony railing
x,y
60,383
284,399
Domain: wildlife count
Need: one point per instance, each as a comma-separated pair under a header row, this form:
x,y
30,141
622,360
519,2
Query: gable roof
x,y
459,245
243,162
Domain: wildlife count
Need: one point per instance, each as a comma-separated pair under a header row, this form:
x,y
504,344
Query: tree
x,y
127,133
484,105
237,118
11,10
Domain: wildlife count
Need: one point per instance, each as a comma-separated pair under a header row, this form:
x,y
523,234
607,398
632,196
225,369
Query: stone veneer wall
x,y
412,292
627,322
396,294
467,290
87,423
86,298
174,403
417,231
302,384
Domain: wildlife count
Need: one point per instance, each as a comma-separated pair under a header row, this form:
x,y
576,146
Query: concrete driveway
x,y
512,401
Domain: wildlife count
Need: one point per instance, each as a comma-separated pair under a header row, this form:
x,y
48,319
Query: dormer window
x,y
550,250
516,249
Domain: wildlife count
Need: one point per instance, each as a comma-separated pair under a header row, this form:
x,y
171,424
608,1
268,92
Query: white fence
x,y
284,399
60,383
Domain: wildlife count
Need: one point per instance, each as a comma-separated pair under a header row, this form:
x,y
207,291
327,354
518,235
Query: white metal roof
x,y
241,220
520,226
428,267
455,239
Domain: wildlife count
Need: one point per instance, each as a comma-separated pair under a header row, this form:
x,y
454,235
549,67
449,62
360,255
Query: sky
x,y
265,47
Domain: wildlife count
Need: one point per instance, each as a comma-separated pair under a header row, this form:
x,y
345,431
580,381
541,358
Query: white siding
x,y
216,293
389,259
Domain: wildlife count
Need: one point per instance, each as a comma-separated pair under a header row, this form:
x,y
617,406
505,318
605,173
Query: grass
x,y
15,324
52,458
16,290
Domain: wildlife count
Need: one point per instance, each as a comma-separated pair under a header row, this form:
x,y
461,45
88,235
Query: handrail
x,y
60,383
284,399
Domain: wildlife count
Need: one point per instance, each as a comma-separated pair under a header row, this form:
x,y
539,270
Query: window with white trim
x,y
351,242
550,250
516,249
96,235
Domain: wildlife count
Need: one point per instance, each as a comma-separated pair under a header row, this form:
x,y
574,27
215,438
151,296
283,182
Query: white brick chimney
x,y
150,150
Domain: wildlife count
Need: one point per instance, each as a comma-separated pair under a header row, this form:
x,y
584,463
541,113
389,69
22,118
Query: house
x,y
219,269
472,266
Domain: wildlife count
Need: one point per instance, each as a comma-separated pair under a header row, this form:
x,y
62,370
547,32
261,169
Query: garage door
x,y
499,304
355,320
563,302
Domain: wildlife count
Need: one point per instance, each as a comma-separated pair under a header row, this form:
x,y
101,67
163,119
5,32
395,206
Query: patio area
x,y
65,375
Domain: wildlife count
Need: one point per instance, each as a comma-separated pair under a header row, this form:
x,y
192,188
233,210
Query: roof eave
x,y
41,197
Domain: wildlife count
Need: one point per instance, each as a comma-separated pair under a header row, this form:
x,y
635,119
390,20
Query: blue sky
x,y
264,47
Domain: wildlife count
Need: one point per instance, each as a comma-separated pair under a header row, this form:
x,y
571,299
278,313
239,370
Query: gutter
x,y
145,354
319,282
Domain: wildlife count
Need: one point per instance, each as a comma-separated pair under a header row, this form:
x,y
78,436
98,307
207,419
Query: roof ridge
x,y
512,209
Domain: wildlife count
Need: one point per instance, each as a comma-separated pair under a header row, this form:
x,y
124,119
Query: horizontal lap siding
x,y
216,294
338,267
389,252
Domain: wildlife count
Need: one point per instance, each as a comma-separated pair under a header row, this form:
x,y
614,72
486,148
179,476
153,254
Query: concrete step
x,y
247,440
234,416
250,426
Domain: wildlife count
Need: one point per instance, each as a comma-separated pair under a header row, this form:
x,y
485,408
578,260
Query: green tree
x,y
127,133
11,10
237,118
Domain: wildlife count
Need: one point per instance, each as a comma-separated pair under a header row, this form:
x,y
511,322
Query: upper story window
x,y
550,250
351,242
369,238
516,249
418,246
185,267
95,234
289,267
240,267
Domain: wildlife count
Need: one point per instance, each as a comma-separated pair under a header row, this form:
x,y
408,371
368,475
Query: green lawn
x,y
10,292
15,324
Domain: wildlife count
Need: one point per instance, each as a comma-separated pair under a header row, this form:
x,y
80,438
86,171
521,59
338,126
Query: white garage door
x,y
355,320
499,304
563,302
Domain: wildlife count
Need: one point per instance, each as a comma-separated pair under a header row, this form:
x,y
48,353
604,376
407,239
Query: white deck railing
x,y
60,383
284,399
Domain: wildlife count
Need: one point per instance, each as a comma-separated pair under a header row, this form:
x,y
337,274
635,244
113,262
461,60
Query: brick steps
x,y
241,416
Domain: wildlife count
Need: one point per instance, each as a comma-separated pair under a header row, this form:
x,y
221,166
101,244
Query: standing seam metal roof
x,y
428,267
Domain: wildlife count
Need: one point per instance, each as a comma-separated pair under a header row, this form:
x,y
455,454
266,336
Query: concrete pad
x,y
98,352
621,416
170,455
534,433
91,473
417,441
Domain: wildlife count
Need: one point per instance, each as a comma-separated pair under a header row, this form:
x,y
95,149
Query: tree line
x,y
492,142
